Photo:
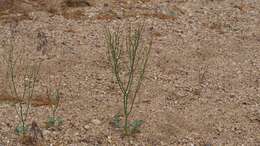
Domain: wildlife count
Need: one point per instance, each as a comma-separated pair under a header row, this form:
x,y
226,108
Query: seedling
x,y
128,55
53,119
21,129
116,121
134,126
54,98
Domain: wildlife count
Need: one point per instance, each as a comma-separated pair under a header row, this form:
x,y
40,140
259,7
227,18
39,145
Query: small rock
x,y
96,121
109,139
45,133
106,5
162,143
86,127
76,134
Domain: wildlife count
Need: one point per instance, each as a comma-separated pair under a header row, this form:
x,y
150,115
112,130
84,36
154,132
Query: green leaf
x,y
116,121
51,121
172,13
54,121
59,121
135,125
20,129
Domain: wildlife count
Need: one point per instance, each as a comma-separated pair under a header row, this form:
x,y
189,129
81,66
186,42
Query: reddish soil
x,y
202,84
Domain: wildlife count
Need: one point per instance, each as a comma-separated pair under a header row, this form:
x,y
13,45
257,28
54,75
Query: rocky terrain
x,y
202,84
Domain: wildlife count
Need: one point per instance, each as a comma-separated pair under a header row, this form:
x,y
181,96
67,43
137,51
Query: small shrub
x,y
128,55
54,96
34,137
19,69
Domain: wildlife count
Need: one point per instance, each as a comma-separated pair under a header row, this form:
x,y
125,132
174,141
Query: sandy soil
x,y
202,83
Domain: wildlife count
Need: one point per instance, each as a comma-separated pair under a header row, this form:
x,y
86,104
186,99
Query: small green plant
x,y
128,55
21,77
21,129
133,126
54,121
116,121
54,96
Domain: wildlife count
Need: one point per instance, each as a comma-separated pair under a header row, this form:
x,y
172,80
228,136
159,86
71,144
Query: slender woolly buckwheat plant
x,y
128,54
53,93
18,69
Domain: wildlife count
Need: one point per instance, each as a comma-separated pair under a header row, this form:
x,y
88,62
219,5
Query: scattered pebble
x,y
96,121
86,127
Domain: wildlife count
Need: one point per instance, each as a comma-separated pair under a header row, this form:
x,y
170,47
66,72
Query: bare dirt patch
x,y
202,84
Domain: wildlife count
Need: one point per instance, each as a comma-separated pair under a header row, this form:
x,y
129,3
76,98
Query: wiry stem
x,y
137,62
29,79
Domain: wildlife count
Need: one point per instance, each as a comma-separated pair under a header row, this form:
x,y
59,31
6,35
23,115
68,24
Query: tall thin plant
x,y
54,96
128,55
21,78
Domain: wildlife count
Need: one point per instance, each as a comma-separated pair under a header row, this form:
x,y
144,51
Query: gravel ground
x,y
202,83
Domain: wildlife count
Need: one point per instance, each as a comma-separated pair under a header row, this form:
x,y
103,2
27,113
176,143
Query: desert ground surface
x,y
201,86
